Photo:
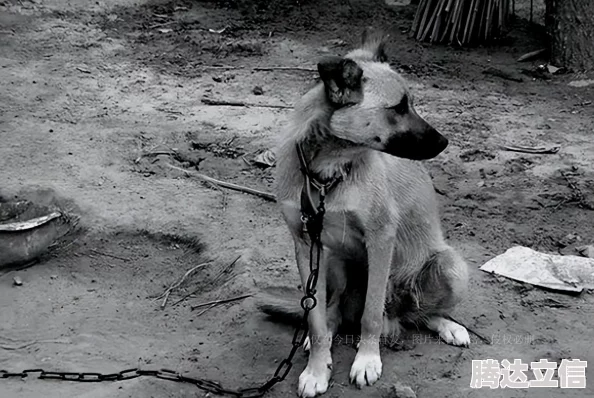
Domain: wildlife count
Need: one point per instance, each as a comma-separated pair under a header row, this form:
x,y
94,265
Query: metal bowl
x,y
27,231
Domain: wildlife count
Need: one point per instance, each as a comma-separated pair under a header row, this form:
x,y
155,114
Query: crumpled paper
x,y
564,273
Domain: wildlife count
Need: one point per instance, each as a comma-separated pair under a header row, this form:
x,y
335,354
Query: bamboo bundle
x,y
460,22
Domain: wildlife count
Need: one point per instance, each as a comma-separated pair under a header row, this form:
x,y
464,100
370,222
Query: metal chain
x,y
314,225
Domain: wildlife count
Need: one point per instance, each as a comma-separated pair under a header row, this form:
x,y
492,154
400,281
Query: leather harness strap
x,y
313,191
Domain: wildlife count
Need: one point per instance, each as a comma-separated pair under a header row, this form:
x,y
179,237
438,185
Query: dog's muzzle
x,y
416,145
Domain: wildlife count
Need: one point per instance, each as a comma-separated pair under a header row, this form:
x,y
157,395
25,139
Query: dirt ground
x,y
87,87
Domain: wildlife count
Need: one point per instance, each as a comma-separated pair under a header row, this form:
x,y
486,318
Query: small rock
x,y
398,390
568,240
54,277
552,69
337,42
258,90
17,281
543,126
586,251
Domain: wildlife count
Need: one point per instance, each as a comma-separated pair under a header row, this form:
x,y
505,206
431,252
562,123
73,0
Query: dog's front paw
x,y
313,381
366,369
455,335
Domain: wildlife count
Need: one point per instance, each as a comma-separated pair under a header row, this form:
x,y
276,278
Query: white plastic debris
x,y
565,273
581,83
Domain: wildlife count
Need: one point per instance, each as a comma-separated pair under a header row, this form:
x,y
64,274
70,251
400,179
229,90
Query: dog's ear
x,y
342,79
374,41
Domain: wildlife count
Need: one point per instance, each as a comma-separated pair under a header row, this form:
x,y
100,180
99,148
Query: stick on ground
x,y
109,255
264,195
532,55
284,68
213,102
177,284
206,309
214,281
217,302
536,150
260,68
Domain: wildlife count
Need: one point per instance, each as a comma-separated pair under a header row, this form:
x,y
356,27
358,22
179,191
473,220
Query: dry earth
x,y
87,87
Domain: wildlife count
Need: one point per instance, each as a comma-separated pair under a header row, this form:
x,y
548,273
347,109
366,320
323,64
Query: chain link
x,y
308,302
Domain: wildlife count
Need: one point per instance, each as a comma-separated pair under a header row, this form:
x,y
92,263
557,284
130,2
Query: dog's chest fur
x,y
343,233
342,230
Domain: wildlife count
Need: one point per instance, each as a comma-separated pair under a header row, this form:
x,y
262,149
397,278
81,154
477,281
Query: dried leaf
x,y
265,159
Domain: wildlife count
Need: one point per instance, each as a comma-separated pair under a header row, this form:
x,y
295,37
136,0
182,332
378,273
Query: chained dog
x,y
356,139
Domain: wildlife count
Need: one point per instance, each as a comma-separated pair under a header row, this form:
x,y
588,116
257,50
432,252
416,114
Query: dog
x,y
384,257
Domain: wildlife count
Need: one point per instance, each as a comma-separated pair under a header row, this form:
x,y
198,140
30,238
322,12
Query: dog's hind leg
x,y
443,286
449,331
316,376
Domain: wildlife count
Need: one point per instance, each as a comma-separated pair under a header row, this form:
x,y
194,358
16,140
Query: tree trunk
x,y
570,24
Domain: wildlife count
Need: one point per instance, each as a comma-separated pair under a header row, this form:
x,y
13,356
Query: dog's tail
x,y
285,309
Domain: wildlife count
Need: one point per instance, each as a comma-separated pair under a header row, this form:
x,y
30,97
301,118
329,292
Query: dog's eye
x,y
402,107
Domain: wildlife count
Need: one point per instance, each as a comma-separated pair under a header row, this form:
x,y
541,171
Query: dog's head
x,y
372,105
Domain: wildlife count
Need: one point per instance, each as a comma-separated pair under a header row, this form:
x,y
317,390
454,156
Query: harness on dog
x,y
313,194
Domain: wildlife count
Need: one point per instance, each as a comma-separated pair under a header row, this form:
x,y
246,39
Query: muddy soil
x,y
101,107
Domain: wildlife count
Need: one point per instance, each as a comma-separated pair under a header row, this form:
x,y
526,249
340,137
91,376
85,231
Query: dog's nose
x,y
441,142
417,145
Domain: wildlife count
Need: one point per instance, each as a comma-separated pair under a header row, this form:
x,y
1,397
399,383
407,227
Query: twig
x,y
208,101
225,67
217,302
264,195
169,111
284,68
110,255
213,281
20,347
536,150
177,284
484,339
438,67
577,193
532,55
206,309
224,271
261,68
159,25
83,70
